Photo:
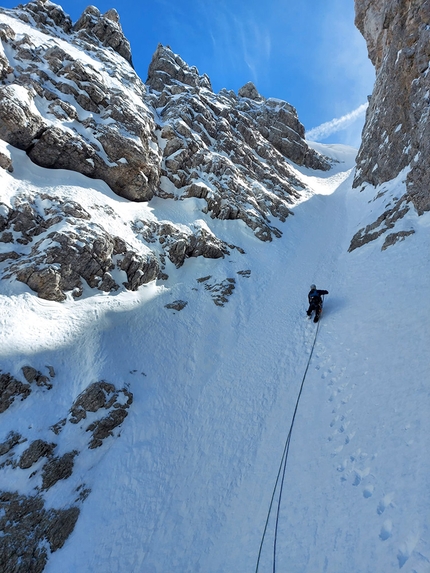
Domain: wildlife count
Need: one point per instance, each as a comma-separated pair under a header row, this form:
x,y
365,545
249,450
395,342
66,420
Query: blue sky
x,y
307,52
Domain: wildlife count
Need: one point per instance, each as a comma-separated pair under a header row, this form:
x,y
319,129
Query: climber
x,y
315,302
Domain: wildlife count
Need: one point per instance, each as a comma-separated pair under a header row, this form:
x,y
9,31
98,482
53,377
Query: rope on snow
x,y
282,469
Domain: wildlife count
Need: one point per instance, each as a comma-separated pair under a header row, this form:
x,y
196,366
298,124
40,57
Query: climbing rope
x,y
280,478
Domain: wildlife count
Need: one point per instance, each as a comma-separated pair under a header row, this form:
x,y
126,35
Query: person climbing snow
x,y
315,302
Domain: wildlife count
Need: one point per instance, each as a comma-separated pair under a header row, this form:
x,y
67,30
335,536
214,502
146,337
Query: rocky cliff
x,y
91,160
396,135
70,99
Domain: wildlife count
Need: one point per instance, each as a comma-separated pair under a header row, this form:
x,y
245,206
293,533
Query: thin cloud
x,y
338,124
255,45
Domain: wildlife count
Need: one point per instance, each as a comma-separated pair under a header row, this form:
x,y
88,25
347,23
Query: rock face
x,y
77,252
93,125
70,99
105,28
227,149
31,524
29,529
397,130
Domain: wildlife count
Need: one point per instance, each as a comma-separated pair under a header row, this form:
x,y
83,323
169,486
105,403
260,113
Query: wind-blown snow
x,y
187,487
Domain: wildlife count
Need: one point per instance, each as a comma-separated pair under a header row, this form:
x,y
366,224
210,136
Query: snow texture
x,y
187,487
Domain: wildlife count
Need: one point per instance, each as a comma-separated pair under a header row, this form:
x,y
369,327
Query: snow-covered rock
x,y
228,149
71,100
73,103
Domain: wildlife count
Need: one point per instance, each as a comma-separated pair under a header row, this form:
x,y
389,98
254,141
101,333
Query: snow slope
x,y
187,486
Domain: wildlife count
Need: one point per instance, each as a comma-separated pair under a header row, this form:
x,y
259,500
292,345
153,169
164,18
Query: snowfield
x,y
187,486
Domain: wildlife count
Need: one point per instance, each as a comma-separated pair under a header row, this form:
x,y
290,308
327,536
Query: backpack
x,y
314,297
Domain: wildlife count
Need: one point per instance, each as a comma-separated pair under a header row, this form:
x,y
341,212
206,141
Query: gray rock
x,y
106,28
167,68
249,91
107,150
36,450
6,162
33,375
6,34
397,129
220,291
13,438
27,527
83,252
393,238
101,396
46,15
382,224
176,305
56,469
102,429
251,138
11,389
19,124
92,399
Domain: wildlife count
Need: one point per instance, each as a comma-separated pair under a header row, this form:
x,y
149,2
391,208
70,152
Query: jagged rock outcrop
x,y
86,110
112,137
383,223
12,389
167,68
105,28
31,524
76,250
214,144
54,246
101,395
36,450
397,130
179,243
29,529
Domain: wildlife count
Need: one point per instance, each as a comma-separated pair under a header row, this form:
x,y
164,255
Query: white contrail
x,y
326,129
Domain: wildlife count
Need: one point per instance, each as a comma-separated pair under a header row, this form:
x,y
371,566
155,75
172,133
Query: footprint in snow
x,y
406,548
385,502
386,530
343,427
360,475
342,467
368,491
358,455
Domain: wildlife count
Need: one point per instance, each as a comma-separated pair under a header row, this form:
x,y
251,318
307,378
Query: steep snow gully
x,y
187,488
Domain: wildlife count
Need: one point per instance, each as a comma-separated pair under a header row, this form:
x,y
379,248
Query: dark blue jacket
x,y
315,295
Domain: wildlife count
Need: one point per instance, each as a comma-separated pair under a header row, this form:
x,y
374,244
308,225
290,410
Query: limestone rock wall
x,y
70,99
83,114
397,129
232,150
32,526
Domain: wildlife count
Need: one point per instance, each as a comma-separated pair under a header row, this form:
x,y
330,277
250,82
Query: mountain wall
x,y
70,99
93,165
397,129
